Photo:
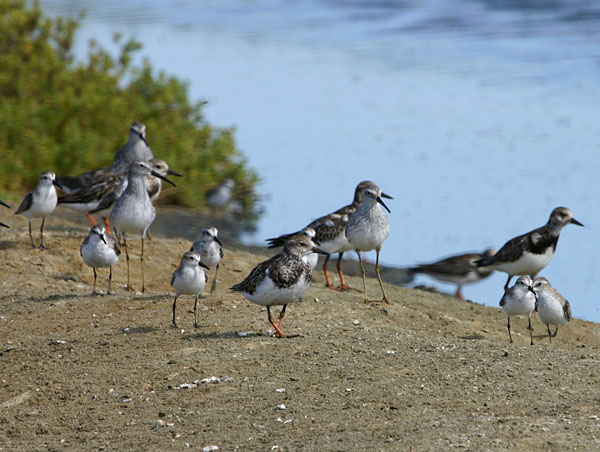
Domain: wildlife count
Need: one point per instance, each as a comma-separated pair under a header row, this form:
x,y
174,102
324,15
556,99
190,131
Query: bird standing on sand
x,y
100,250
153,187
40,203
133,210
210,249
189,279
85,191
529,253
551,306
367,229
458,269
280,280
519,300
330,233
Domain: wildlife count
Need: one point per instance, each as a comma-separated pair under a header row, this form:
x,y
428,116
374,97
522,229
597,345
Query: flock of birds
x,y
123,195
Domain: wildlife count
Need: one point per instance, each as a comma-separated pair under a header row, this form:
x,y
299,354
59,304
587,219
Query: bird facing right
x,y
210,248
100,250
529,253
519,300
189,279
551,306
280,280
367,229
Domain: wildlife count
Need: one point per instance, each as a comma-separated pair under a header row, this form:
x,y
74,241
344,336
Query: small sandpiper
x,y
40,203
100,250
135,150
210,248
529,253
133,210
551,306
189,279
519,300
458,269
5,205
280,280
367,229
330,233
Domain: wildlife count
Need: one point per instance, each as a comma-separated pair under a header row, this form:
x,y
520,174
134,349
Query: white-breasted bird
x,y
551,306
189,279
210,248
519,300
100,250
40,203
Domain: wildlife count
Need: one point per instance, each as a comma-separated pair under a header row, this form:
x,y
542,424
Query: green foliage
x,y
70,117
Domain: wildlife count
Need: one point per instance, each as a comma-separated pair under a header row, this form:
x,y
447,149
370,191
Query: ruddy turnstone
x,y
551,306
458,269
280,280
40,203
519,300
189,279
100,250
133,210
529,253
210,249
330,233
367,229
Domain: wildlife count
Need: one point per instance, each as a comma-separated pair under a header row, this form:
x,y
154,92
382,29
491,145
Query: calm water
x,y
478,117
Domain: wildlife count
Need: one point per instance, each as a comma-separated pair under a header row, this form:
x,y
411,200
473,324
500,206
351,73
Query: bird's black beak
x,y
4,225
54,182
143,138
154,173
380,201
174,173
103,239
4,204
530,289
218,241
385,195
202,264
574,221
319,251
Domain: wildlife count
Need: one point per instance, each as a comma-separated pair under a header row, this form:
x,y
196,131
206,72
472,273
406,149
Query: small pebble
x,y
242,334
280,407
211,448
356,322
126,330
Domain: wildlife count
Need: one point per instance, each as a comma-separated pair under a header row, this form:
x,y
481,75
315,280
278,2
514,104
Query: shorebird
x,y
100,250
40,203
219,197
5,205
519,300
458,269
529,253
551,306
330,233
280,280
85,191
189,279
135,150
153,187
133,210
367,229
210,249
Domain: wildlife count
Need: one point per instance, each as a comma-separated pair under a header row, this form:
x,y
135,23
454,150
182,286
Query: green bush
x,y
70,117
